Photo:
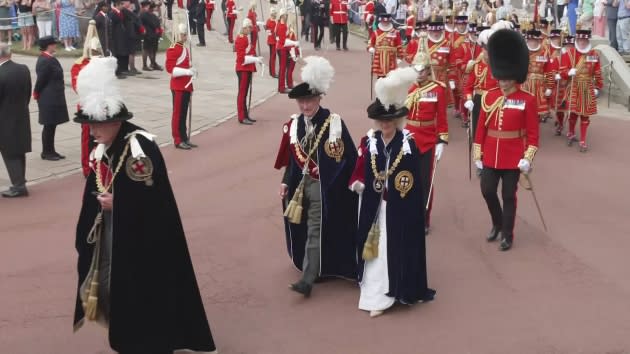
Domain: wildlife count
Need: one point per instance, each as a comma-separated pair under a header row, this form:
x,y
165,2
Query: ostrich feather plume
x,y
99,94
318,73
392,89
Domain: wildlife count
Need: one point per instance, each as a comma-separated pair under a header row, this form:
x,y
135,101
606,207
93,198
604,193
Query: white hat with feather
x,y
317,75
391,94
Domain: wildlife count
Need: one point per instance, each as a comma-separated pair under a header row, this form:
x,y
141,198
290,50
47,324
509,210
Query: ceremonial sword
x,y
531,188
435,165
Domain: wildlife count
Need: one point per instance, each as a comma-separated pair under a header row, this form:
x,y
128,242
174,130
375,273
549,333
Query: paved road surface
x,y
562,291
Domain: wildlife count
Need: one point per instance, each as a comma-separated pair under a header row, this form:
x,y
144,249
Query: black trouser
x,y
169,9
306,25
612,33
503,219
201,33
181,103
337,30
426,172
48,139
244,84
192,25
224,10
318,34
150,47
16,168
123,64
475,114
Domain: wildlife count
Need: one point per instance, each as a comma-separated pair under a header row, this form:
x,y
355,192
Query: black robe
x,y
49,85
104,30
121,45
339,204
406,251
15,95
154,298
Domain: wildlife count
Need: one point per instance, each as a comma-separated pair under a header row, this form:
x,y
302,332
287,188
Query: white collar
x,y
436,40
584,50
533,49
382,27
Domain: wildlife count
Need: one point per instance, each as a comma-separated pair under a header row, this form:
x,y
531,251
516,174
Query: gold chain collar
x,y
99,182
298,150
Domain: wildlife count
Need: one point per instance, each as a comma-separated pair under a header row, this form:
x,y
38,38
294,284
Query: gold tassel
x,y
91,307
294,210
370,248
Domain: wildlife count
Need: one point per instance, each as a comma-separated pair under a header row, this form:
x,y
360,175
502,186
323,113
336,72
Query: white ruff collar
x,y
436,40
584,50
371,135
535,49
385,28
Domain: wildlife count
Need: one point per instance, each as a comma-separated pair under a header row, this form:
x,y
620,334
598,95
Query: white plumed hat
x,y
317,75
100,100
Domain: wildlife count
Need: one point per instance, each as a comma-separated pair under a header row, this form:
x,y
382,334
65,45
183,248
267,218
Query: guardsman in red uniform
x,y
410,23
471,50
426,102
91,48
545,33
385,46
560,85
209,10
480,79
246,60
284,43
230,14
580,65
179,66
270,29
339,20
507,136
412,46
540,75
368,17
440,52
253,16
455,82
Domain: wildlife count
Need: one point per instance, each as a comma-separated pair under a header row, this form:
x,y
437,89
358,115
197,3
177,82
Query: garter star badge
x,y
334,149
140,169
403,182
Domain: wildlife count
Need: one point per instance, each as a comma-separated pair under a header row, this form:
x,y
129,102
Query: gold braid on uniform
x,y
370,247
99,182
530,153
293,213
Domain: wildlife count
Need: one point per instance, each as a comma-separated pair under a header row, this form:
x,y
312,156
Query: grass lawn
x,y
17,49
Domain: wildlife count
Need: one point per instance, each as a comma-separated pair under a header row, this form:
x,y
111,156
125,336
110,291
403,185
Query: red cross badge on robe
x,y
140,169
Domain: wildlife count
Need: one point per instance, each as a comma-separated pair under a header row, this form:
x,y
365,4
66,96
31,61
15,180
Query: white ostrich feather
x,y
484,36
99,95
392,89
318,73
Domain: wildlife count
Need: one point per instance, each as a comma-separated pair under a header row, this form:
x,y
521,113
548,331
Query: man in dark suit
x,y
15,126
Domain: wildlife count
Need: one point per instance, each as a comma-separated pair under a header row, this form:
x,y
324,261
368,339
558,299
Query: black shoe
x,y
345,49
274,76
132,72
15,192
191,144
61,157
157,67
146,68
251,120
121,76
246,122
50,157
201,45
285,91
183,146
302,288
506,242
493,234
338,48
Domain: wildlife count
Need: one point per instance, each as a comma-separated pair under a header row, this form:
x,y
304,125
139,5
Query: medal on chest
x,y
334,149
140,170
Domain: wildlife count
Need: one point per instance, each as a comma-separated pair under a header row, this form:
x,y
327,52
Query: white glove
x,y
439,150
596,93
250,59
260,24
572,72
290,43
398,61
558,77
451,83
177,72
478,164
524,165
371,50
193,72
547,92
357,187
470,63
469,105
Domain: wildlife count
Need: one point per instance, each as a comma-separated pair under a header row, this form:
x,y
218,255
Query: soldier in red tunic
x,y
368,17
471,50
540,75
455,82
339,21
246,61
284,43
412,47
230,14
427,122
440,51
479,79
179,66
91,48
410,23
507,136
580,65
253,16
560,86
385,46
270,28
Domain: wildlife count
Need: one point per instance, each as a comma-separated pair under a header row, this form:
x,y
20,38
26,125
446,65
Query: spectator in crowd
x,y
400,18
120,44
42,9
561,5
26,23
197,12
134,31
305,18
104,26
599,18
50,95
612,7
586,14
319,17
6,29
68,24
15,126
153,32
623,21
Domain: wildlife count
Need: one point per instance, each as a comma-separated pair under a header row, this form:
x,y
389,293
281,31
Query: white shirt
x,y
4,62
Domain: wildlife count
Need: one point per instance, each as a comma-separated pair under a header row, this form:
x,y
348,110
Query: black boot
x,y
494,233
302,288
506,242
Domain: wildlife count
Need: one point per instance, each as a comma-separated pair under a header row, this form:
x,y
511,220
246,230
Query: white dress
x,y
375,284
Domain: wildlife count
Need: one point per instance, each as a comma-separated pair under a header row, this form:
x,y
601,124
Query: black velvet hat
x,y
508,55
377,111
303,90
45,41
317,75
534,34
